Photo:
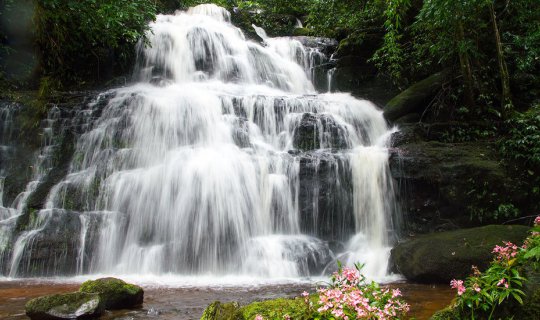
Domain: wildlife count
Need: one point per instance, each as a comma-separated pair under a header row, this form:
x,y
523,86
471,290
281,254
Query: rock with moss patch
x,y
443,256
416,97
115,293
222,311
76,305
270,309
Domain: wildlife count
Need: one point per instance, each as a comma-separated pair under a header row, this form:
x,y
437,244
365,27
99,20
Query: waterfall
x,y
222,159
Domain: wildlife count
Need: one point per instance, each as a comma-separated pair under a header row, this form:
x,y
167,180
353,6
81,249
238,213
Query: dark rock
x,y
76,305
416,97
449,185
317,131
444,256
355,75
115,293
53,250
325,196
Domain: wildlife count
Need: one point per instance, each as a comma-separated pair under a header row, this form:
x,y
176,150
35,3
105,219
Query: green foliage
x,y
336,18
390,56
523,143
89,36
520,149
277,309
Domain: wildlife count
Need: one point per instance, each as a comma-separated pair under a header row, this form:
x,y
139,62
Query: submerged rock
x,y
115,293
76,305
444,256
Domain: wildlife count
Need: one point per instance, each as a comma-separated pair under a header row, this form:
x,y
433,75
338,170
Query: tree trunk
x,y
466,69
506,99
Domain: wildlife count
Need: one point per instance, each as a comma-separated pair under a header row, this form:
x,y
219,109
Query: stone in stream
x,y
115,293
443,256
93,298
76,305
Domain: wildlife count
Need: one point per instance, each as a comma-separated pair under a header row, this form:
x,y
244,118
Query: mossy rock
x,y
448,313
416,97
270,309
222,311
115,293
443,256
277,309
299,32
76,305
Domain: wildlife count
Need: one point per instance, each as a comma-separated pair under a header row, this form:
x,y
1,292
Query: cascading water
x,y
222,160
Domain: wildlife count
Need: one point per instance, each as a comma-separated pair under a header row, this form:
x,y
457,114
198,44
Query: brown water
x,y
188,303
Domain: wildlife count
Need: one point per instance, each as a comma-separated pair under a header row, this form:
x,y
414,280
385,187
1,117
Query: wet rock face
x,y
322,197
444,256
317,131
53,249
76,305
445,185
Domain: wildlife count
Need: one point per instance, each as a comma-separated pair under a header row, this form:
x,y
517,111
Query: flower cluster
x,y
507,252
350,297
458,284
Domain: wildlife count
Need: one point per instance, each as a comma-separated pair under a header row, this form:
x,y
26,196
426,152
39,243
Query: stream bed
x,y
188,302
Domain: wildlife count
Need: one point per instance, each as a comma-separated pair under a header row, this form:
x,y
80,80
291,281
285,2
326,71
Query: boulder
x,y
76,305
115,293
444,256
416,97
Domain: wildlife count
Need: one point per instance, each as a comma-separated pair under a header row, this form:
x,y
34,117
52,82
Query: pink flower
x,y
286,317
396,293
305,294
458,284
501,282
537,221
259,317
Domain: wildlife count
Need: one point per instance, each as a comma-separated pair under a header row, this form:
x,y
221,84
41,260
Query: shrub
x,y
350,296
482,294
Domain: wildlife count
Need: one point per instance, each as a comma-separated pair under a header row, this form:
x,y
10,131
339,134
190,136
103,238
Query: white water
x,y
196,171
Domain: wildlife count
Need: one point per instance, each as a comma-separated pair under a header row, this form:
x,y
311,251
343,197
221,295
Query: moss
x,y
65,305
270,309
416,98
299,32
115,293
446,314
277,309
222,311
